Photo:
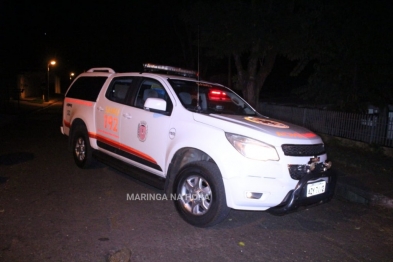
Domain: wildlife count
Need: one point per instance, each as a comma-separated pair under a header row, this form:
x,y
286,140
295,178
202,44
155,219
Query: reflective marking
x,y
107,133
66,123
123,147
112,110
298,135
79,102
266,122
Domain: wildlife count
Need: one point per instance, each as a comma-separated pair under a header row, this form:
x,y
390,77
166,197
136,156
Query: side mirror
x,y
155,105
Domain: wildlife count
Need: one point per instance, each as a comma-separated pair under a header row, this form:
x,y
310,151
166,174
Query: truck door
x,y
145,134
108,109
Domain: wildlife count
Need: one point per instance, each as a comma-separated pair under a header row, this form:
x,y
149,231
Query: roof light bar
x,y
169,69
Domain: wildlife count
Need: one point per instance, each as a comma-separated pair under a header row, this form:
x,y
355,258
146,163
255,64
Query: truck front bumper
x,y
298,196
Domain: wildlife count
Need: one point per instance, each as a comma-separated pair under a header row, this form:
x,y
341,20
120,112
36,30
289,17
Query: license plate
x,y
316,188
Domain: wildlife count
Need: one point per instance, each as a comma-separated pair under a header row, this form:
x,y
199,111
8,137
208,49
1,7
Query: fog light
x,y
253,195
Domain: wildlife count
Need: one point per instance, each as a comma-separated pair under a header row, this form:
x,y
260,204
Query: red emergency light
x,y
218,95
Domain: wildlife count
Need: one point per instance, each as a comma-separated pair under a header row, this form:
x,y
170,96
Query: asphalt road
x,y
50,210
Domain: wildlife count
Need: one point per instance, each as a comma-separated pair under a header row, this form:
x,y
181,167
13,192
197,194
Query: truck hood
x,y
258,126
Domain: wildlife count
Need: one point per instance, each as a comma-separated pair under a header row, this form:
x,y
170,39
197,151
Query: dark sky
x,y
80,35
83,34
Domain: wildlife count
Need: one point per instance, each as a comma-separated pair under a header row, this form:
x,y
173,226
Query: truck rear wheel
x,y
200,194
81,149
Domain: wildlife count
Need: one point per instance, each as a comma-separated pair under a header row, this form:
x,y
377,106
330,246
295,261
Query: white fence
x,y
370,128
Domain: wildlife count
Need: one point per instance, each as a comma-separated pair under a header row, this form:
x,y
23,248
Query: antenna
x,y
198,106
198,52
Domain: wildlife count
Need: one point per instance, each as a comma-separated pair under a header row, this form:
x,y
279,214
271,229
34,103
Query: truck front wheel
x,y
200,194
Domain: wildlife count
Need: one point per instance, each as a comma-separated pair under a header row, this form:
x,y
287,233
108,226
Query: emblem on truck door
x,y
142,131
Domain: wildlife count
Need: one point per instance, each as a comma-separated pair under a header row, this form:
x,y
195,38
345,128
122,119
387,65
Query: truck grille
x,y
303,150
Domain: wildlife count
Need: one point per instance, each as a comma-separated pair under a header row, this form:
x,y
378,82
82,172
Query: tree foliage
x,y
254,33
349,44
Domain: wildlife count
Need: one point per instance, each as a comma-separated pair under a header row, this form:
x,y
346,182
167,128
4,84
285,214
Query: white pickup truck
x,y
200,142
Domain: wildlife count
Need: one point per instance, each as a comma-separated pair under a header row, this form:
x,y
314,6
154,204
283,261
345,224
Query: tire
x,y
81,148
200,194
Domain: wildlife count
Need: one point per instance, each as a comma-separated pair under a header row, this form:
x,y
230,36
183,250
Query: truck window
x,y
118,89
86,88
152,88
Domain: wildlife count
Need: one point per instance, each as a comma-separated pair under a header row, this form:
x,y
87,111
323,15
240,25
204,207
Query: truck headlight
x,y
252,148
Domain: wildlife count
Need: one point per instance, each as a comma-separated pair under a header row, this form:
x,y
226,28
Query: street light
x,y
71,75
53,62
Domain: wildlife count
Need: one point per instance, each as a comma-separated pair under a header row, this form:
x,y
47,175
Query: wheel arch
x,y
75,123
182,157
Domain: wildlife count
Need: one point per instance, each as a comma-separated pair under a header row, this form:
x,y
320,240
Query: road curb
x,y
44,107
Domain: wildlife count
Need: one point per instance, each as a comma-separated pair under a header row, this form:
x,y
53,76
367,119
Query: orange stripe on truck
x,y
298,135
67,124
122,147
78,101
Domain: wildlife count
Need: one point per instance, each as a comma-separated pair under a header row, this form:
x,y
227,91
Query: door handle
x,y
100,108
127,115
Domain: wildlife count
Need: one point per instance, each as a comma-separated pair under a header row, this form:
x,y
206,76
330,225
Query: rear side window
x,y
118,89
86,88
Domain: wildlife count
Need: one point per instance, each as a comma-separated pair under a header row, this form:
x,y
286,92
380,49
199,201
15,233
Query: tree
x,y
254,33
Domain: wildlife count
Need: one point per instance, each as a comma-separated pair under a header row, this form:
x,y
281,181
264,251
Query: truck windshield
x,y
213,99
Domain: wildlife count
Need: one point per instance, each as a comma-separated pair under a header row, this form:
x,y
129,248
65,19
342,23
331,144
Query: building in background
x,y
34,84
